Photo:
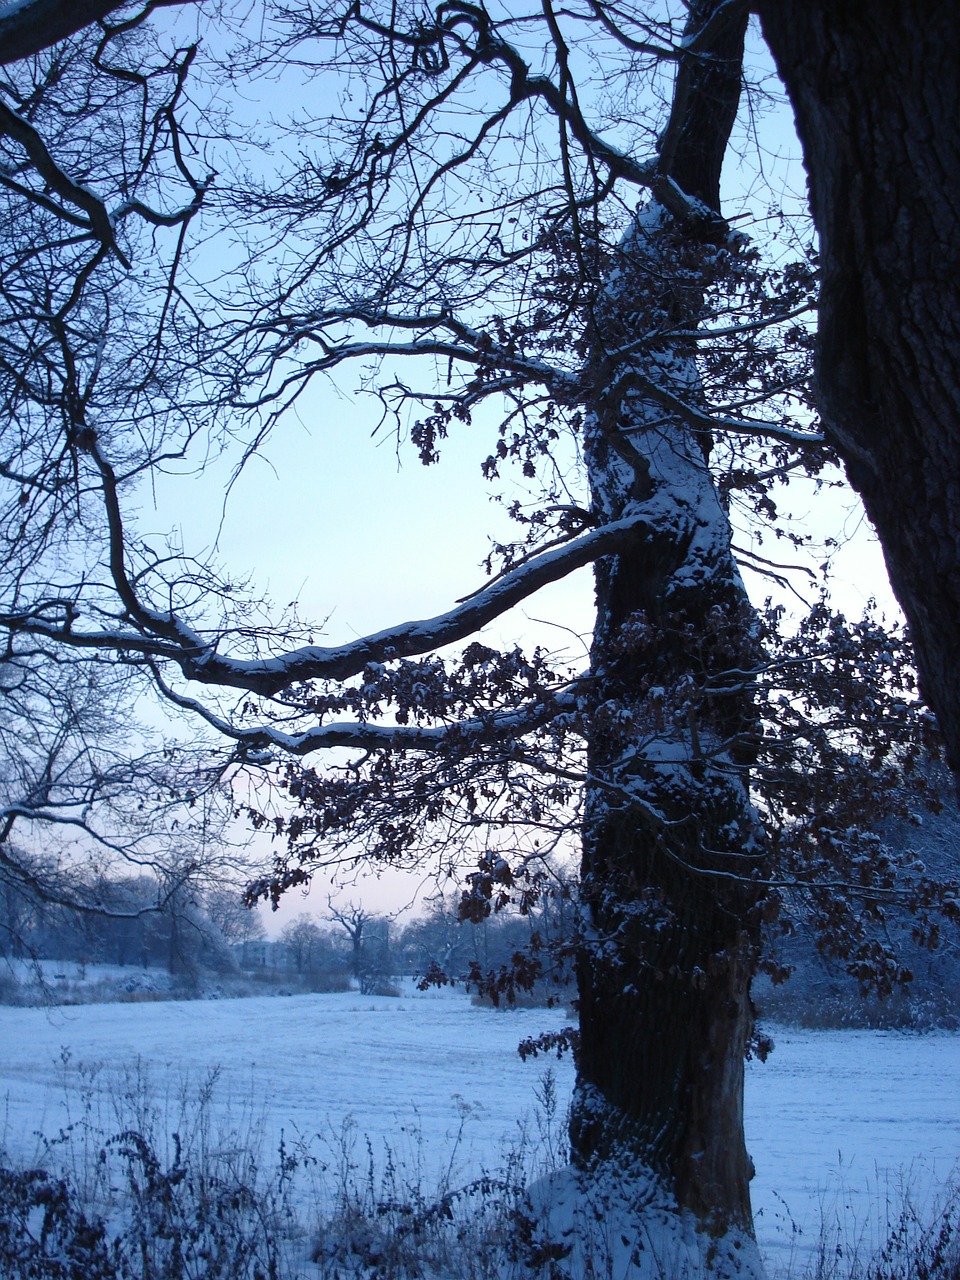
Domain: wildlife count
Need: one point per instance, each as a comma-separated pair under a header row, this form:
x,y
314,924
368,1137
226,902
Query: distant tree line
x,y
187,930
442,945
145,921
184,928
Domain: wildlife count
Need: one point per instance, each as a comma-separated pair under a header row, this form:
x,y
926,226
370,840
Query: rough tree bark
x,y
670,840
30,26
876,95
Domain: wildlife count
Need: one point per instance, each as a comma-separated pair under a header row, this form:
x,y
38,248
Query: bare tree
x,y
103,794
435,942
303,939
88,797
353,920
238,924
369,939
832,58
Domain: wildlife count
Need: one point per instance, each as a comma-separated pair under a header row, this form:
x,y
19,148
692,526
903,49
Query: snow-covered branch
x,y
101,225
164,636
532,370
260,742
705,419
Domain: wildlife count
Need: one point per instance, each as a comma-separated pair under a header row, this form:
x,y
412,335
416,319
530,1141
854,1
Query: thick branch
x,y
28,27
165,637
21,131
704,420
258,743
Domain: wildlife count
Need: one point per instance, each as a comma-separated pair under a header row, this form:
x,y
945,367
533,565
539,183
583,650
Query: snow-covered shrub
x,y
915,1247
187,1220
833,1002
141,1204
195,1218
45,1235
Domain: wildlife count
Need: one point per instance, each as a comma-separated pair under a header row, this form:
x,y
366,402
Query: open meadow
x,y
841,1124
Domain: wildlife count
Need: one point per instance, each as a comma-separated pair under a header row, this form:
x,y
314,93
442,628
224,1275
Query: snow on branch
x,y
258,744
707,420
22,132
530,369
62,194
165,637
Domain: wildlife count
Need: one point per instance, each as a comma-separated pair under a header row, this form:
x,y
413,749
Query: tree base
x,y
611,1221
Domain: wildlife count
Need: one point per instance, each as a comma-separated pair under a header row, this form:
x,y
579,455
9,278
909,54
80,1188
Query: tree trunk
x,y
671,847
876,95
670,843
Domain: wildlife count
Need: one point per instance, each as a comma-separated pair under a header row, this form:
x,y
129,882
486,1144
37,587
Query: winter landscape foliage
x,y
560,243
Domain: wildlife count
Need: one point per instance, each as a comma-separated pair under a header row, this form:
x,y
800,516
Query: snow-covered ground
x,y
68,982
842,1125
838,1122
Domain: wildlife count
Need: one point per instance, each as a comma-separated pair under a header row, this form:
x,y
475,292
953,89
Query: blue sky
x,y
362,536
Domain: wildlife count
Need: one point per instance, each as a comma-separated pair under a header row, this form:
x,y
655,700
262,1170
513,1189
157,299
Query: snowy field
x,y
839,1123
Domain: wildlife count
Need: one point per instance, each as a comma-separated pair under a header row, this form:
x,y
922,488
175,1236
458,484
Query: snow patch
x,y
607,1223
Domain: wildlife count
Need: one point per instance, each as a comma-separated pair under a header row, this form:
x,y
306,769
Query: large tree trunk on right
x,y
876,93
